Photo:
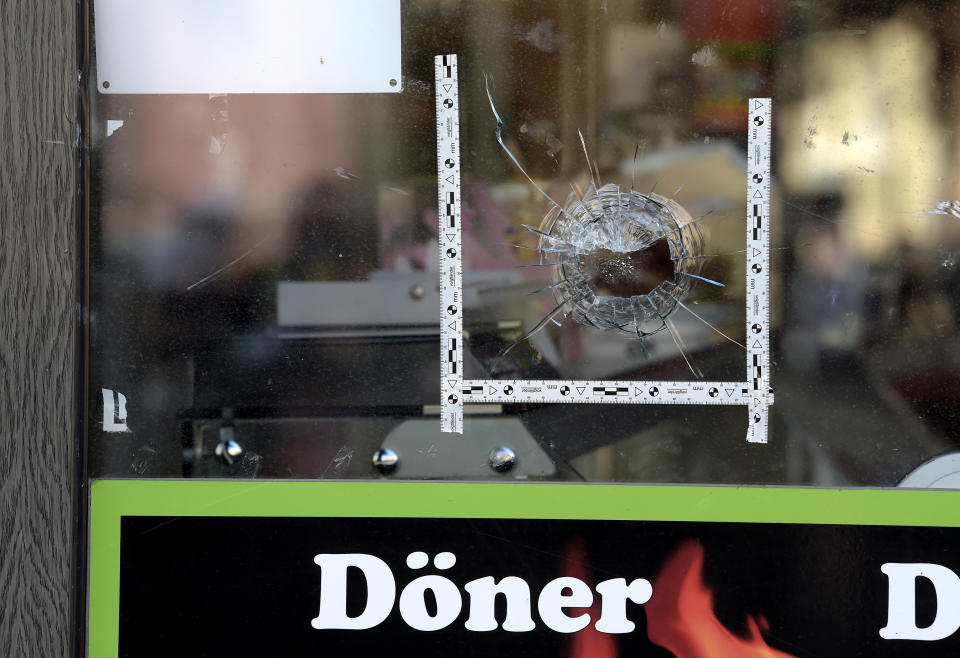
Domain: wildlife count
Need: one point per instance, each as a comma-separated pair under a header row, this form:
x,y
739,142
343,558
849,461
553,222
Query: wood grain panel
x,y
38,251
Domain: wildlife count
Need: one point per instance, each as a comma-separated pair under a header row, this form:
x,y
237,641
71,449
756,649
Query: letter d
x,y
381,591
901,609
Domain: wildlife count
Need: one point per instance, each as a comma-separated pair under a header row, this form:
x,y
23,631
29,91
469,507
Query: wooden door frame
x,y
40,251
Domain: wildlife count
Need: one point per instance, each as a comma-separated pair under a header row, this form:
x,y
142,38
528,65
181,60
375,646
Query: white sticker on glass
x,y
114,411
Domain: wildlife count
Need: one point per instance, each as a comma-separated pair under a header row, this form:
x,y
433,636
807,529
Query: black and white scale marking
x,y
451,265
759,132
606,391
754,393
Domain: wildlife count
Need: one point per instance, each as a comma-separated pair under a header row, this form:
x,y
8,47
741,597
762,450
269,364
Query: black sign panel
x,y
231,585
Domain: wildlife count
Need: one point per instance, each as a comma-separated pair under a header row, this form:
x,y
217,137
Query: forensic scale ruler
x,y
759,138
754,393
449,238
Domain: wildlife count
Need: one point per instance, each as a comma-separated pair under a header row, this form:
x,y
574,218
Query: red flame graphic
x,y
588,643
680,614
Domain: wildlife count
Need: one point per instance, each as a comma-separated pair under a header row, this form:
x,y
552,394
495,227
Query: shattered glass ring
x,y
605,248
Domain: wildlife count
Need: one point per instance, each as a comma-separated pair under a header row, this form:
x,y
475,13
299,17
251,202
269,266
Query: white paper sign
x,y
247,46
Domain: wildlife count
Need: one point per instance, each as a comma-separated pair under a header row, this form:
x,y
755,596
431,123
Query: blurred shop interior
x,y
263,288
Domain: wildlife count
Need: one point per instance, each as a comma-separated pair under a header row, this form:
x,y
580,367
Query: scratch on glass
x,y
213,275
946,208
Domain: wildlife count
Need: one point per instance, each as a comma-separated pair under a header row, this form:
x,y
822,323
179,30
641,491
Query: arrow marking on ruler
x,y
581,389
491,390
447,88
757,194
450,179
729,391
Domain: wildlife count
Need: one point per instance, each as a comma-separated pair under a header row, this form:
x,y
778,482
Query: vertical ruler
x,y
759,137
450,260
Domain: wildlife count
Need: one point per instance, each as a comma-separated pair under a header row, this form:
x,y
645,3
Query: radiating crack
x,y
622,261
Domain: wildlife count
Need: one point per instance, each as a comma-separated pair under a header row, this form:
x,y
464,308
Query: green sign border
x,y
112,499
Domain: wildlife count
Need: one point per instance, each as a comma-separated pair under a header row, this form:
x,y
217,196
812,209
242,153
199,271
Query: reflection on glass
x,y
263,267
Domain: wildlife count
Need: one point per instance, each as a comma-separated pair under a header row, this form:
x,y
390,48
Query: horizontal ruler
x,y
607,391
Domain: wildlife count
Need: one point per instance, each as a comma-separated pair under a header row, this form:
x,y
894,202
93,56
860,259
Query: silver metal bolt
x,y
228,451
417,291
385,460
502,459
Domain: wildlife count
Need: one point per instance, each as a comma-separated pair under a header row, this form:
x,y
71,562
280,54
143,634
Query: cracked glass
x,y
262,291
